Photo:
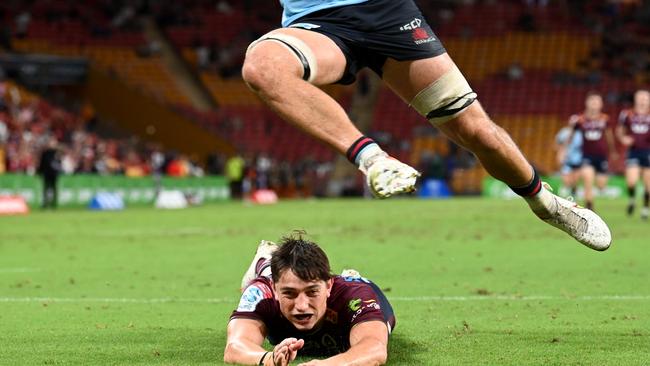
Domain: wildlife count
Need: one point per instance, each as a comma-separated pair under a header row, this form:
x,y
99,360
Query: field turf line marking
x,y
164,300
19,270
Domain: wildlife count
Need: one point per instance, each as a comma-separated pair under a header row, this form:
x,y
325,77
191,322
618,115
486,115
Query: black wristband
x,y
262,359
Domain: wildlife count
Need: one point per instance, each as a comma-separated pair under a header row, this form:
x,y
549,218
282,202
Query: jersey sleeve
x,y
363,305
254,302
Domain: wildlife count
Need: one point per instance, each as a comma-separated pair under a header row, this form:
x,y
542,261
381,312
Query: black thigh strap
x,y
305,65
447,111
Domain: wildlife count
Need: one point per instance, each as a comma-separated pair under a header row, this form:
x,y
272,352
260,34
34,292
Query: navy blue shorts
x,y
369,33
598,162
636,157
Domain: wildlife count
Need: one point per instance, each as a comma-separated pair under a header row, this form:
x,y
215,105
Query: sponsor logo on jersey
x,y
370,305
354,304
304,26
250,298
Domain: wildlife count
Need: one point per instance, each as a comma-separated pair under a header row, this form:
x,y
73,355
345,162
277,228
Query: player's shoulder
x,y
258,290
350,289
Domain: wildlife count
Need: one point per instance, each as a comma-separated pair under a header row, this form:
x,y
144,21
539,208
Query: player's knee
x,y
260,69
275,56
444,99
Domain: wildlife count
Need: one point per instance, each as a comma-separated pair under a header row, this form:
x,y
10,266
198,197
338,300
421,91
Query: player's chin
x,y
303,321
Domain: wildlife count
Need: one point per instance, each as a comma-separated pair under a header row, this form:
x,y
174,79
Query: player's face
x,y
642,100
594,103
303,303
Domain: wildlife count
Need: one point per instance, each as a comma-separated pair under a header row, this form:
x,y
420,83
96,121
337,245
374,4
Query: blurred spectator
x,y
235,167
49,169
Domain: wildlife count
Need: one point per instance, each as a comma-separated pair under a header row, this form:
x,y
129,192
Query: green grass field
x,y
472,281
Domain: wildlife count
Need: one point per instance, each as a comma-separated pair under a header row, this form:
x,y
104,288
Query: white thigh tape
x,y
445,98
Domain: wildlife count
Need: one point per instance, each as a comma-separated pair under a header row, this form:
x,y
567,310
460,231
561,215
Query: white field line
x,y
164,300
19,270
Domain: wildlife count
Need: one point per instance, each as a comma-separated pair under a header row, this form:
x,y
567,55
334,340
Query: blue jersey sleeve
x,y
294,9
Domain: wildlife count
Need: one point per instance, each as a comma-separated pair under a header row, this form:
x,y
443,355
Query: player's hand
x,y
286,351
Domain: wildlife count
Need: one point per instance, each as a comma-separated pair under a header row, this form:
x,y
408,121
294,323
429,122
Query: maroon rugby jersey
x,y
593,133
351,301
637,126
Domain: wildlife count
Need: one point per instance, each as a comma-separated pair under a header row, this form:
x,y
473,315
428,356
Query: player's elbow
x,y
381,356
230,354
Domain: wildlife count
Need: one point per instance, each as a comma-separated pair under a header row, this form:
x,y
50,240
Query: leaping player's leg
x,y
632,175
276,67
437,90
283,69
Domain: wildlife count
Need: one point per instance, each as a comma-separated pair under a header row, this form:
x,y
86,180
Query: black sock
x,y
646,199
531,188
589,205
354,150
631,190
574,191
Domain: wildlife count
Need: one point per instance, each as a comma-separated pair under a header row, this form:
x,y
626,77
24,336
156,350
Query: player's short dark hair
x,y
593,93
303,257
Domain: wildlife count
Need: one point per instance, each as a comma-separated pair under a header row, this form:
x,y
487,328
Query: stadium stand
x,y
530,62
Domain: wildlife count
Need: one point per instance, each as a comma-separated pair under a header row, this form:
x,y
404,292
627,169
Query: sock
x,y
589,205
631,193
574,191
531,189
539,199
361,149
263,268
646,199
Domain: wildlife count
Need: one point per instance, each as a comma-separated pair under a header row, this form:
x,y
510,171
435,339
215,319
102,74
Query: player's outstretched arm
x,y
368,346
244,344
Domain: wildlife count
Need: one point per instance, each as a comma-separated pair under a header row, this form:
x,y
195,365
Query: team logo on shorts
x,y
420,35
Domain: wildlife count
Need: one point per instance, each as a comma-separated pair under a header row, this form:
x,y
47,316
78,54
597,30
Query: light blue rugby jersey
x,y
294,9
574,150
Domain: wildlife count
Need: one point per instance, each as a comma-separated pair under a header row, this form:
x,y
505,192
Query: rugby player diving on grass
x,y
325,42
291,298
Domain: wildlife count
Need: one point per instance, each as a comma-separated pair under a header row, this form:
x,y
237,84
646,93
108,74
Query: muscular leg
x,y
632,175
420,82
275,75
472,129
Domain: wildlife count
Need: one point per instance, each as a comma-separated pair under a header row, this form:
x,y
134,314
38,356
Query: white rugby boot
x,y
387,176
264,251
582,224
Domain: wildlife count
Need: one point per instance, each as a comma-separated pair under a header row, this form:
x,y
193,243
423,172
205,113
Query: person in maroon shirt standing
x,y
597,146
633,131
291,298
